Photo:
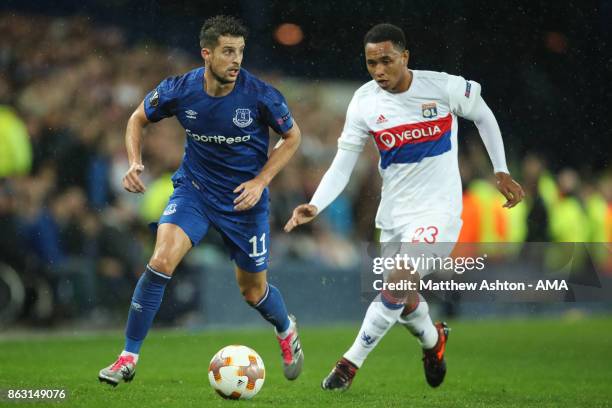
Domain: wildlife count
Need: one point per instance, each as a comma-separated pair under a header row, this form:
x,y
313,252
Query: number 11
x,y
253,241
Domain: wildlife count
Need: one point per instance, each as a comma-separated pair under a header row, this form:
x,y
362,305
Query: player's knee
x,y
162,264
253,293
415,310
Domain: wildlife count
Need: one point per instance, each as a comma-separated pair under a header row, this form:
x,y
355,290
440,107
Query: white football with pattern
x,y
236,372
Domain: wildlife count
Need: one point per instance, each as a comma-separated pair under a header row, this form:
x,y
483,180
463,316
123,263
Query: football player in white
x,y
412,117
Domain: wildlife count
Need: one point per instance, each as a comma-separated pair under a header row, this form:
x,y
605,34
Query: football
x,y
236,372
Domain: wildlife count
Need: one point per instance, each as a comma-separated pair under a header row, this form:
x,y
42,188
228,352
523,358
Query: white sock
x,y
376,323
420,325
283,335
127,353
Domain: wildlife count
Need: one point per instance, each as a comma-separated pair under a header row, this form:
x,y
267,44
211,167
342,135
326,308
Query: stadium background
x,y
73,243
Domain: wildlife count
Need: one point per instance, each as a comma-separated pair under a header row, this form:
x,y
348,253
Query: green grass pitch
x,y
491,363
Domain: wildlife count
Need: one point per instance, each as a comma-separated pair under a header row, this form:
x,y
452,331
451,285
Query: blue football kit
x,y
227,141
227,145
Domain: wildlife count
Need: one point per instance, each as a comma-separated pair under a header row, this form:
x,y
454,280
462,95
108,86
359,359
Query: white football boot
x,y
122,369
291,351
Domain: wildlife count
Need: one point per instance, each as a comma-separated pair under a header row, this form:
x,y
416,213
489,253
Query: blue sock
x,y
145,303
272,308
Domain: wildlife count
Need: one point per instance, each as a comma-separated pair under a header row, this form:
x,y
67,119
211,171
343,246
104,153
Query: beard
x,y
219,78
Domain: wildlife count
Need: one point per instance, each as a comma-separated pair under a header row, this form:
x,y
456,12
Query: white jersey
x,y
416,134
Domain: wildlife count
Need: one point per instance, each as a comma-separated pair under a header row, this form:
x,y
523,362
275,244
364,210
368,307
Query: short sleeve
x,y
355,133
463,95
275,111
160,102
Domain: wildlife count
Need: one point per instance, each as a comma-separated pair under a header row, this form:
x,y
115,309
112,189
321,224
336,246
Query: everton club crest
x,y
242,118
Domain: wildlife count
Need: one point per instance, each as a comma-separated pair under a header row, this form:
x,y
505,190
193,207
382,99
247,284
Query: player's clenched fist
x,y
510,189
302,214
131,180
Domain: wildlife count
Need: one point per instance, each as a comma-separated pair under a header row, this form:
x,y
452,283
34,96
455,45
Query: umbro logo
x,y
191,114
260,261
381,119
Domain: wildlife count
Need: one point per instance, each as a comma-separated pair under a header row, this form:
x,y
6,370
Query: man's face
x,y
225,59
386,64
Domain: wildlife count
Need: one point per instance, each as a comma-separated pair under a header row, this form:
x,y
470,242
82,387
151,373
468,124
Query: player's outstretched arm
x,y
333,183
133,143
489,131
250,191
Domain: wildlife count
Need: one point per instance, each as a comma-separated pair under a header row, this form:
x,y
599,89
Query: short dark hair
x,y
217,26
386,32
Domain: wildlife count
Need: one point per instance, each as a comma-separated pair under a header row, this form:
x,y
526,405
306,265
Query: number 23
x,y
425,234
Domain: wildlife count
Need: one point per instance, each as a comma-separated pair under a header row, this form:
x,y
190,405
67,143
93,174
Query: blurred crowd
x,y
67,88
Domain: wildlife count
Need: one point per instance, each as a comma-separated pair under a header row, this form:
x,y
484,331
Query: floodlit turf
x,y
494,363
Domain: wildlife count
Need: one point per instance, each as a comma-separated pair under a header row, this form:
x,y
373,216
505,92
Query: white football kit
x,y
416,135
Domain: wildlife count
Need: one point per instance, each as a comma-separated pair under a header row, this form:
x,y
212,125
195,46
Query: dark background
x,y
544,66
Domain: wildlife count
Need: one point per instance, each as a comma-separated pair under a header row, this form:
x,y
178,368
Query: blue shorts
x,y
246,235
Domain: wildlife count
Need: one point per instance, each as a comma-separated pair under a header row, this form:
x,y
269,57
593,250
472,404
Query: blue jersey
x,y
227,137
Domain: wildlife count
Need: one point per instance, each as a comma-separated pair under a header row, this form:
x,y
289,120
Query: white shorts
x,y
429,235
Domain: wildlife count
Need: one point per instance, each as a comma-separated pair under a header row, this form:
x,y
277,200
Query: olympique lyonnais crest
x,y
430,110
242,118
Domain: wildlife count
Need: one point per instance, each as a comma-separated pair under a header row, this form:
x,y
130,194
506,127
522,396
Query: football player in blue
x,y
222,183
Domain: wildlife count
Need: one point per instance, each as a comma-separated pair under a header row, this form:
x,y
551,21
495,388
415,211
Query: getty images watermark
x,y
501,272
459,266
